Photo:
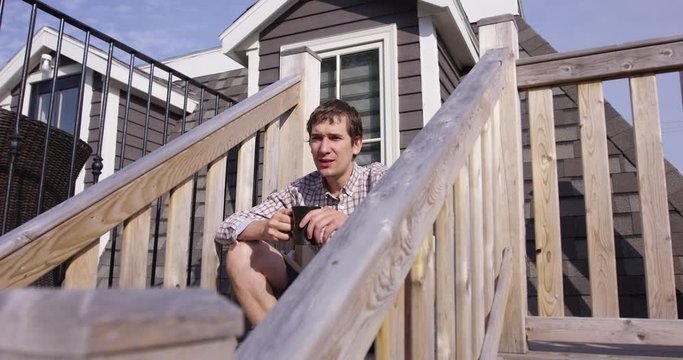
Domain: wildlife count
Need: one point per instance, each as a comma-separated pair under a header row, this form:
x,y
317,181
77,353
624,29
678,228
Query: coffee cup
x,y
299,236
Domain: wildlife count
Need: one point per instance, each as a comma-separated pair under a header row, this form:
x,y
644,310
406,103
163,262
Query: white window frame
x,y
383,38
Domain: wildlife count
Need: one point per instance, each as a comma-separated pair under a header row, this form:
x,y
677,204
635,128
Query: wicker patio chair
x,y
27,168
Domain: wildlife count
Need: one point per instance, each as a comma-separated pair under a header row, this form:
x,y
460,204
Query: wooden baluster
x,y
422,301
501,32
81,273
477,246
599,223
213,216
178,228
487,174
654,207
390,341
445,281
246,157
134,249
546,204
494,327
271,158
463,283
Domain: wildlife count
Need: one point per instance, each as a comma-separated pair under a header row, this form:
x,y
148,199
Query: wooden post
x,y
179,211
294,156
213,215
546,203
659,269
295,150
118,324
246,155
598,197
501,32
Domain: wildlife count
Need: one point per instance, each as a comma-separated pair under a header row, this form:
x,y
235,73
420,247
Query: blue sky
x,y
166,28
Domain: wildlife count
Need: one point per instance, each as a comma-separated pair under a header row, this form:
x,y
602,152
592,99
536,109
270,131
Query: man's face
x,y
332,148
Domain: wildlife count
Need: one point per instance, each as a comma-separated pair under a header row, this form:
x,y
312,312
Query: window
x,y
355,78
361,67
65,106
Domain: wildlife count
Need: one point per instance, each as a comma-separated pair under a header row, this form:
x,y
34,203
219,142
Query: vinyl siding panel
x,y
449,74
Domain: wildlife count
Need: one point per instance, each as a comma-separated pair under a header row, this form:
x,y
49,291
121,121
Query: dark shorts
x,y
292,273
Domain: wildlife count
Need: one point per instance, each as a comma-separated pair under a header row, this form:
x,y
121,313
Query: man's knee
x,y
238,259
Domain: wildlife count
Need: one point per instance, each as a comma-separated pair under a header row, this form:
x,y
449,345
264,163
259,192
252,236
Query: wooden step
x,y
550,351
548,355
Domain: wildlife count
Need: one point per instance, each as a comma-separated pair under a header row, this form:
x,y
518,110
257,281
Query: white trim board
x,y
386,38
200,63
429,69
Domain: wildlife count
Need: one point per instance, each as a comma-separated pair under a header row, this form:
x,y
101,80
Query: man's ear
x,y
357,145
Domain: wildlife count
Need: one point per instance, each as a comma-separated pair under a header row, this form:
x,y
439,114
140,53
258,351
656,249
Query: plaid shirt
x,y
308,190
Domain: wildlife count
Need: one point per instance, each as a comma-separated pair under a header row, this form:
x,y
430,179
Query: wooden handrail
x,y
153,323
34,248
337,304
603,63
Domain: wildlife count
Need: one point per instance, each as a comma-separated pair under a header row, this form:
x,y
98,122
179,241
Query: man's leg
x,y
257,272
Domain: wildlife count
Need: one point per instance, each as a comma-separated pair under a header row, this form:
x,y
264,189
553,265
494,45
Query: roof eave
x,y
236,39
450,18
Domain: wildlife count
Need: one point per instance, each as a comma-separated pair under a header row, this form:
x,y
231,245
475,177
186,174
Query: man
x,y
257,271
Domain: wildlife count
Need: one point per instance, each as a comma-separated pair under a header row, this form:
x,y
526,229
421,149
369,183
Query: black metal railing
x,y
137,64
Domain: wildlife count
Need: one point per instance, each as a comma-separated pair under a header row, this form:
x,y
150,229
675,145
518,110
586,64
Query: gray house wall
x,y
309,20
449,73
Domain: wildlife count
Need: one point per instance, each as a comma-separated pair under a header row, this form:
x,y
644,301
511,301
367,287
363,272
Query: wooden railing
x,y
639,63
74,226
337,305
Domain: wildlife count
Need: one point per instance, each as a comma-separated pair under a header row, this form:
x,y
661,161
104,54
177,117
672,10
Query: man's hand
x,y
322,223
279,226
276,228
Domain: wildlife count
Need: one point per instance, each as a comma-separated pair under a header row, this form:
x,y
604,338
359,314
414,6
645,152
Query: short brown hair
x,y
329,110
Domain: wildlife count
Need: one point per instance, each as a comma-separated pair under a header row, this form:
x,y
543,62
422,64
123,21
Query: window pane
x,y
369,153
43,107
360,87
68,102
328,79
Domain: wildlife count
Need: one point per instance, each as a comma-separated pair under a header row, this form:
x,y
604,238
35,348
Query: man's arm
x,y
254,221
277,228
